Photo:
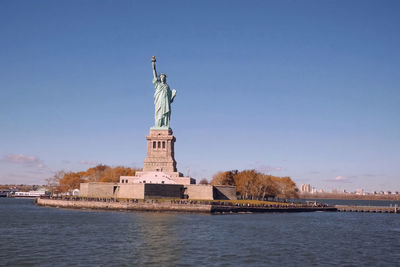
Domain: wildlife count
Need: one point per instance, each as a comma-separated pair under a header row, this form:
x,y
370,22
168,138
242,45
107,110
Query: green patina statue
x,y
163,97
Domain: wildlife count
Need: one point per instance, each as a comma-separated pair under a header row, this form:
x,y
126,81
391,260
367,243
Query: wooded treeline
x,y
251,184
67,181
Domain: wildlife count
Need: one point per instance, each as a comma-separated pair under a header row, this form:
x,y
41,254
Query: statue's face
x,y
163,78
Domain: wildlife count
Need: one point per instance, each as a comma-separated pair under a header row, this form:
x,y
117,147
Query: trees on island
x,y
251,184
68,181
204,181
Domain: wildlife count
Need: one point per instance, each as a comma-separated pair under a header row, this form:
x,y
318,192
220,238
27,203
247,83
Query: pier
x,y
372,209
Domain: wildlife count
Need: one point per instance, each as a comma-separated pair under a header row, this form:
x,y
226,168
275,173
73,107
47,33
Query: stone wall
x,y
184,180
225,192
135,191
199,192
209,192
163,191
160,151
132,191
153,191
97,189
84,189
123,205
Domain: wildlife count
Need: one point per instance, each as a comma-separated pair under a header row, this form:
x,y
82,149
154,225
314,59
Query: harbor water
x,y
40,236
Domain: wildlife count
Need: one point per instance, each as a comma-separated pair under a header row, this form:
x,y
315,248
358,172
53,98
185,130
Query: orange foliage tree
x,y
224,178
251,184
113,174
203,181
68,181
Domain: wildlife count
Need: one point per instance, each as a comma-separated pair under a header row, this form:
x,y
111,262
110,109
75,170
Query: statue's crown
x,y
163,74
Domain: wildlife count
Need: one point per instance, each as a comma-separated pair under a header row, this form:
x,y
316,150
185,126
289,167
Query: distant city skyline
x,y
308,188
308,90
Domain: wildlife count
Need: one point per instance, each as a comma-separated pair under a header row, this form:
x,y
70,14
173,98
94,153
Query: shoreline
x,y
351,197
175,206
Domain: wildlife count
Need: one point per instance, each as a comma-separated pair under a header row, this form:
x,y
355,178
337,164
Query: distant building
x,y
360,192
313,190
306,188
339,191
38,193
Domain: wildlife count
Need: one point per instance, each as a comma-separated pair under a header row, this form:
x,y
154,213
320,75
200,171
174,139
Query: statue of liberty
x,y
163,97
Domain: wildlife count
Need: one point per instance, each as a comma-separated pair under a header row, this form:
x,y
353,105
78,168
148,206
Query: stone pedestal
x,y
160,151
159,165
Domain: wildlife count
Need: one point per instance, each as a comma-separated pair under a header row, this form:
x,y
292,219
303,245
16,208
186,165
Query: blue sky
x,y
306,89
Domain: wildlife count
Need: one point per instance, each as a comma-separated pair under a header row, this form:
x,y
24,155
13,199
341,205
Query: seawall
x,y
124,205
173,205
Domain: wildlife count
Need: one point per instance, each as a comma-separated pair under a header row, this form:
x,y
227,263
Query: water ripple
x,y
39,236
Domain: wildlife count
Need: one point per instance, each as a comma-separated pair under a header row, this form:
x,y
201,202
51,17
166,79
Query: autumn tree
x,y
224,178
286,187
67,181
246,183
53,183
71,181
203,181
96,173
251,184
111,175
268,188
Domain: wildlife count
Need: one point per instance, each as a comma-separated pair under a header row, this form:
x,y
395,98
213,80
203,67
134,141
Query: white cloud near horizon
x,y
263,168
20,158
24,160
22,169
88,162
339,179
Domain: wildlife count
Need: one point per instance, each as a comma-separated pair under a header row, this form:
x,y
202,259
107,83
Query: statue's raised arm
x,y
153,61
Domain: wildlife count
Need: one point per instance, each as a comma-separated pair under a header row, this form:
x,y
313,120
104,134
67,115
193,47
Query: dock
x,y
371,209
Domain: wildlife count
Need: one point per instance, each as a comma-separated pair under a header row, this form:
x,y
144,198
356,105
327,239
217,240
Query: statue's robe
x,y
162,103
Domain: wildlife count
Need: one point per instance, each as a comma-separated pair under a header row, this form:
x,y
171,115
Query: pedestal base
x,y
160,165
157,178
160,151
